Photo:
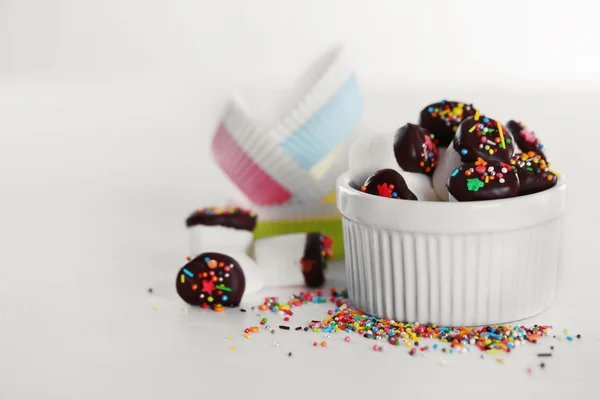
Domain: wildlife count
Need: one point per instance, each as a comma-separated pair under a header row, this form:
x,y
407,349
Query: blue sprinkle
x,y
569,338
463,152
188,273
451,351
435,346
430,109
206,259
542,146
486,120
224,298
510,345
455,172
443,102
394,194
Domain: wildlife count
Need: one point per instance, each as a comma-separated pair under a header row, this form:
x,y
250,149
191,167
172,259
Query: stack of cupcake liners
x,y
287,169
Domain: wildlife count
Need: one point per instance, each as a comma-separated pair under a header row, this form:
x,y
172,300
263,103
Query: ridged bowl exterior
x,y
475,277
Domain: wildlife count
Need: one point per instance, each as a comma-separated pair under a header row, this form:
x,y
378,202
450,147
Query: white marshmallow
x,y
449,161
216,237
279,259
371,153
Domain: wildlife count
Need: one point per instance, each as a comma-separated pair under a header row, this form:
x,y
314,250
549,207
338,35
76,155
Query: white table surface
x,y
91,219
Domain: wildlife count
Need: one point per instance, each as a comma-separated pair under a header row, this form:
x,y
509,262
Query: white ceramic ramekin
x,y
467,263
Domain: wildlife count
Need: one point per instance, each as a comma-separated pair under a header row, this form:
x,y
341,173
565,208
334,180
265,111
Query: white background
x,y
106,112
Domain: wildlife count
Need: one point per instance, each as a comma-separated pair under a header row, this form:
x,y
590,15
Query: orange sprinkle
x,y
323,344
263,307
212,264
254,329
188,258
219,308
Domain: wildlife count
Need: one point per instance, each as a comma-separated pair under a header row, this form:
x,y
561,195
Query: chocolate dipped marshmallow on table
x,y
477,137
226,230
297,259
410,152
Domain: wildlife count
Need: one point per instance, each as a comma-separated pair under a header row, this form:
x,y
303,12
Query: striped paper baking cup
x,y
302,218
297,156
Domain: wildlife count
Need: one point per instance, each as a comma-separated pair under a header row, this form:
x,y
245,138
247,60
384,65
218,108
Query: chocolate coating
x,y
483,181
525,138
414,149
388,183
317,252
442,119
231,217
534,173
211,280
483,139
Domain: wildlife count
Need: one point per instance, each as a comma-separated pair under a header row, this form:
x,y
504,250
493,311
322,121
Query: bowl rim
x,y
450,217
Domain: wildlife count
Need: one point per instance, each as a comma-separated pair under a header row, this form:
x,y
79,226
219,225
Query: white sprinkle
x,y
501,180
504,170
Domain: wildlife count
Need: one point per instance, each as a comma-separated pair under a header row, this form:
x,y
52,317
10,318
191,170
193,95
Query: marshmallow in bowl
x,y
388,183
477,137
483,180
525,138
411,152
442,119
534,173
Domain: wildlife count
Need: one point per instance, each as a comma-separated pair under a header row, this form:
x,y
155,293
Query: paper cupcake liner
x,y
333,98
301,218
256,164
251,179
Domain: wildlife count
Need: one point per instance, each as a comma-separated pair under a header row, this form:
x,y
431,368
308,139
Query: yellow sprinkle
x,y
232,348
155,308
487,179
501,134
473,128
228,337
442,113
444,340
501,361
553,172
246,336
284,306
408,344
566,331
494,351
477,115
182,278
488,341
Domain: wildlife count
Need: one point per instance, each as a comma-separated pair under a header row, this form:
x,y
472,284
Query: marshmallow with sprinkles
x,y
477,137
388,183
220,228
483,180
442,119
535,174
525,138
411,152
211,280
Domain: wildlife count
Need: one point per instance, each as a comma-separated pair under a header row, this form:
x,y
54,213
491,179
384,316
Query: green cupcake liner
x,y
331,227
